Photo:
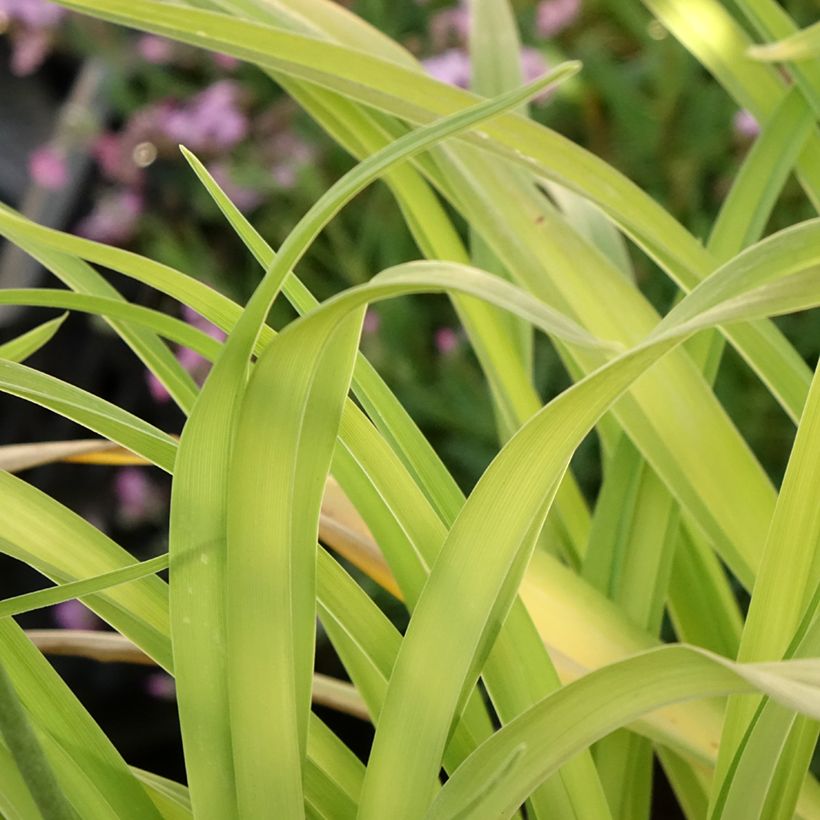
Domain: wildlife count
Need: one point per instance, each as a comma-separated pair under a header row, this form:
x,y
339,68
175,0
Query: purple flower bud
x,y
161,686
447,341
74,615
553,16
745,125
451,67
47,167
155,50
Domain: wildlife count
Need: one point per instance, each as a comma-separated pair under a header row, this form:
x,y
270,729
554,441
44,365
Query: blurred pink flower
x,y
533,64
372,322
291,154
246,199
447,340
156,388
226,62
136,495
203,324
284,176
451,67
32,27
210,121
161,686
553,16
30,47
450,26
745,125
113,219
155,50
75,615
114,156
192,361
47,167
33,13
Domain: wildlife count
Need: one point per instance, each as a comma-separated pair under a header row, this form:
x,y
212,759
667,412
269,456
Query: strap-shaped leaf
x,y
522,754
503,506
28,343
198,508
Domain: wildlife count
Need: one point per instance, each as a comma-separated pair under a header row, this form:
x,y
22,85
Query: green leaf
x,y
568,721
485,545
58,543
784,595
803,45
707,29
411,95
27,344
198,509
86,409
16,802
90,772
168,327
84,279
280,461
78,589
18,735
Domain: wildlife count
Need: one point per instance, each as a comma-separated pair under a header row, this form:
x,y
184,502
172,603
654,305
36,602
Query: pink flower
x,y
284,176
450,26
114,156
30,47
155,50
246,199
33,23
553,16
192,361
161,686
209,121
201,323
135,494
113,219
75,615
745,125
447,341
372,322
226,62
32,13
451,67
534,65
47,167
291,154
156,388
